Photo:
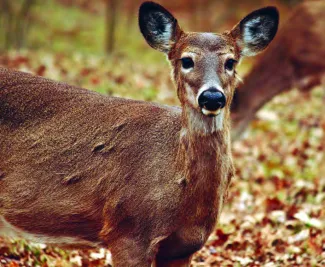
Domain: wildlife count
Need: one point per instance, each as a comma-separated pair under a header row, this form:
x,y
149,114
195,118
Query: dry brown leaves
x,y
275,215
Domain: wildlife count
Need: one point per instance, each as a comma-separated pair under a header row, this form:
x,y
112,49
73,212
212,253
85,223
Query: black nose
x,y
212,99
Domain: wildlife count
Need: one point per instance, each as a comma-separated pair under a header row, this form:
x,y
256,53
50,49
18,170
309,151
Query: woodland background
x,y
275,215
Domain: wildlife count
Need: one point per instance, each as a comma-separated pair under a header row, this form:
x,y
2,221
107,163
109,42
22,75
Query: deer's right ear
x,y
158,26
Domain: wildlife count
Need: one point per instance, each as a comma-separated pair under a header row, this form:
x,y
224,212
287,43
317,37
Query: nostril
x,y
212,99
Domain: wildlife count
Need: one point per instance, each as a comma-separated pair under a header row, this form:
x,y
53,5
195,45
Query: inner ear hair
x,y
158,26
254,32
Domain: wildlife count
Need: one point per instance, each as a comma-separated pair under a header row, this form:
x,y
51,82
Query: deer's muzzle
x,y
212,100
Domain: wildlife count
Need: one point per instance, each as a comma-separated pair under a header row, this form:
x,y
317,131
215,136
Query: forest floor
x,y
275,214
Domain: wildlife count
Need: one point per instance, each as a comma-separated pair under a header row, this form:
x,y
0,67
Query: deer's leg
x,y
308,83
179,247
185,262
132,253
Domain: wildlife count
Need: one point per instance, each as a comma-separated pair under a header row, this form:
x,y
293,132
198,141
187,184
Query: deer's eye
x,y
230,64
187,63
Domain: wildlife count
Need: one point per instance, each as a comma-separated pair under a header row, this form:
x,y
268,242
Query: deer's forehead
x,y
206,42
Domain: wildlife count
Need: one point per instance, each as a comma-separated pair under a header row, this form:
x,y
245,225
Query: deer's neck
x,y
205,158
272,75
204,144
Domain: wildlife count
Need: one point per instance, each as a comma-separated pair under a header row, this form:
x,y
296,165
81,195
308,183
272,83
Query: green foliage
x,y
72,29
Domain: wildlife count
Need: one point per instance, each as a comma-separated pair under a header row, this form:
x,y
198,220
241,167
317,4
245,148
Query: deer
x,y
145,180
291,61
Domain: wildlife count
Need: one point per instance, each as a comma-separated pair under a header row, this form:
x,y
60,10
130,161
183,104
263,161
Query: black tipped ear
x,y
158,26
256,31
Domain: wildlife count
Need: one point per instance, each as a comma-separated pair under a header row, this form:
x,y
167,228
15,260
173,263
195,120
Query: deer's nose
x,y
212,99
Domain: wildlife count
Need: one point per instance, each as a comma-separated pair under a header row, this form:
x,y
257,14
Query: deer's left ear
x,y
158,26
253,33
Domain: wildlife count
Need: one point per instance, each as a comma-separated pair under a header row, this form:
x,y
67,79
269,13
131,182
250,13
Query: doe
x,y
146,181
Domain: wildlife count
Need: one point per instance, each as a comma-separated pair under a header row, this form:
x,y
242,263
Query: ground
x,y
275,213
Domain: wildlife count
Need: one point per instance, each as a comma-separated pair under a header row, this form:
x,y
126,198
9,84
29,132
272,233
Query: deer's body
x,y
61,152
145,180
293,60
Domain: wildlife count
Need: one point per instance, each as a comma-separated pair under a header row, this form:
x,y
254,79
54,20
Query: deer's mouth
x,y
211,113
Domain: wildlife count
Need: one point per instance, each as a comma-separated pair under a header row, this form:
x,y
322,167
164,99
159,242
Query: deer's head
x,y
204,64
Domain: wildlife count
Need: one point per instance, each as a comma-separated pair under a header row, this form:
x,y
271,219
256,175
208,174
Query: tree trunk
x,y
131,12
111,19
22,23
7,14
15,22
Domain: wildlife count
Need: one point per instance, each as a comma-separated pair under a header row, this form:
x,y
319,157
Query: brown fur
x,y
55,182
294,59
211,51
145,180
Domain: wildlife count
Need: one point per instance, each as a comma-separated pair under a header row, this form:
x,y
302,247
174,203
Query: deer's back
x,y
303,36
76,148
298,49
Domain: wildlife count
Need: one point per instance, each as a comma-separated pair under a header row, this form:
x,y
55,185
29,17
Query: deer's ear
x,y
254,32
158,26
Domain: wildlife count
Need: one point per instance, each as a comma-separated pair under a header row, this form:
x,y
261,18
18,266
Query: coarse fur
x,y
146,181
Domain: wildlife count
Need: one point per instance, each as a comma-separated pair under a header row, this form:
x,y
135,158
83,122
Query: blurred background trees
x,y
111,21
15,21
97,26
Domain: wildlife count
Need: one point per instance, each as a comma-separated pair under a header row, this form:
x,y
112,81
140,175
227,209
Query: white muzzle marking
x,y
201,91
211,112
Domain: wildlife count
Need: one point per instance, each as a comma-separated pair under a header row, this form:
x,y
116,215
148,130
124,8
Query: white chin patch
x,y
209,112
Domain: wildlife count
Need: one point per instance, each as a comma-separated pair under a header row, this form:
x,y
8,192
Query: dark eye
x,y
230,64
187,63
